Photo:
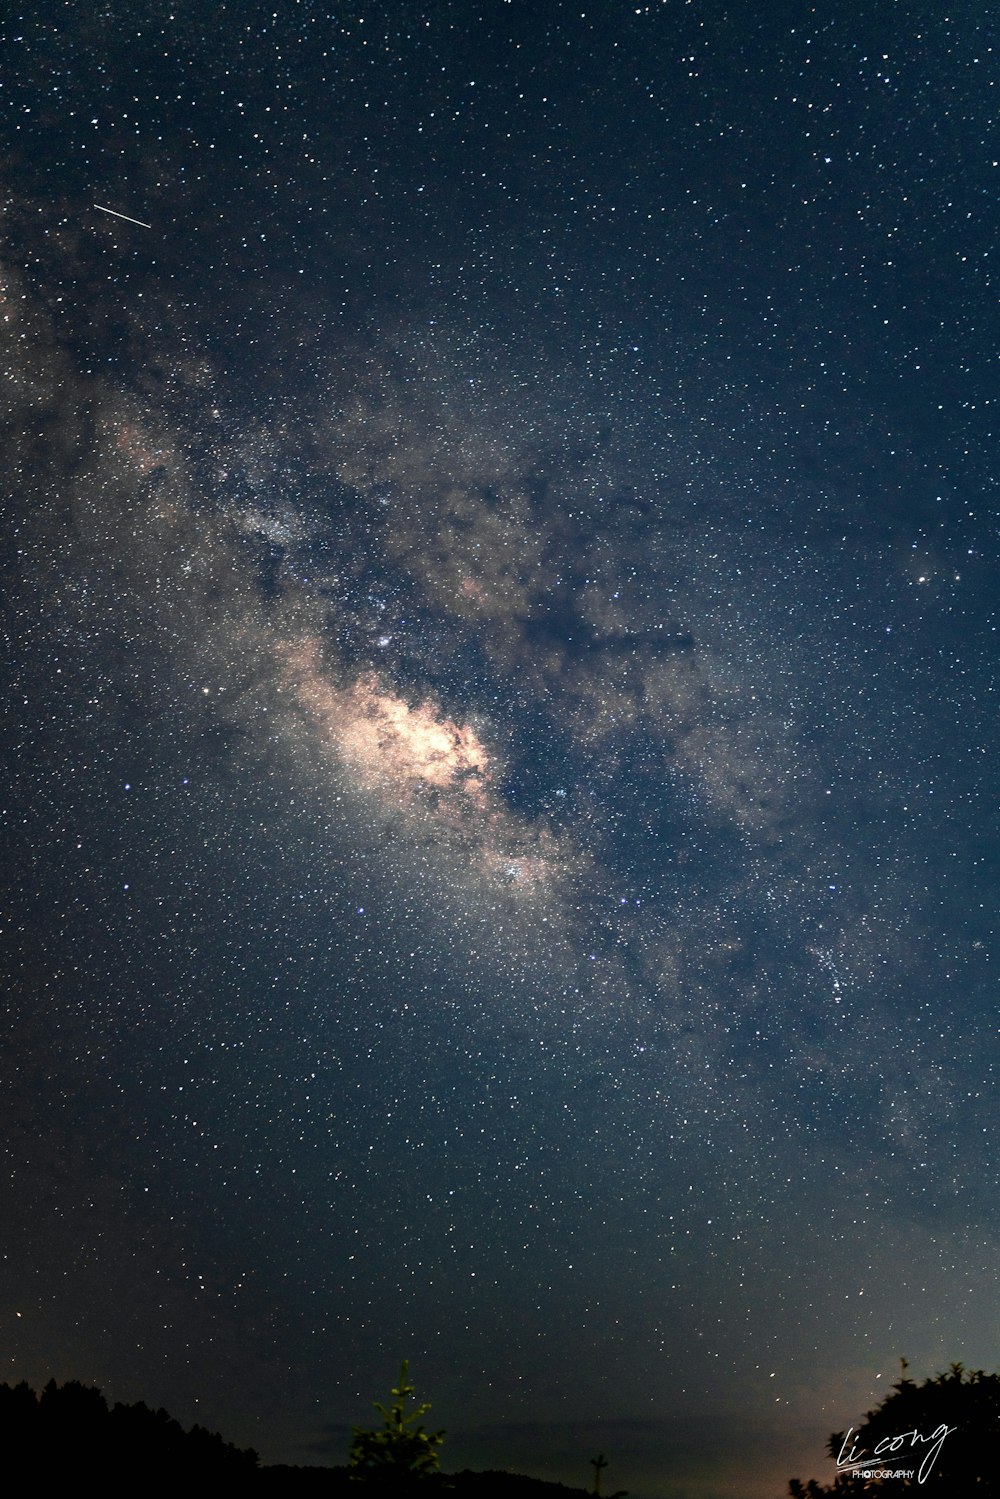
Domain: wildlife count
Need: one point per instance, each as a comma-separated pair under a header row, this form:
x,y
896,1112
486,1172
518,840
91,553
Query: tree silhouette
x,y
67,1438
401,1453
68,1432
944,1434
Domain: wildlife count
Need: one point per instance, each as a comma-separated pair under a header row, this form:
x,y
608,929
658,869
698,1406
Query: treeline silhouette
x,y
69,1434
944,1433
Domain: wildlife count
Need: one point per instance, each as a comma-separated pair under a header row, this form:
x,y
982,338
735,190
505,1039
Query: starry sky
x,y
500,632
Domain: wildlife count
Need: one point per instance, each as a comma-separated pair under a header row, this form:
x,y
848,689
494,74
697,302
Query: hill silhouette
x,y
490,1484
69,1433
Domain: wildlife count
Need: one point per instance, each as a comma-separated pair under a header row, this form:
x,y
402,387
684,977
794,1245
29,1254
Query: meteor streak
x,y
126,216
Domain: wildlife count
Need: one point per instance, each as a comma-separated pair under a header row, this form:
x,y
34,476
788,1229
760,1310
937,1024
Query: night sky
x,y
499,602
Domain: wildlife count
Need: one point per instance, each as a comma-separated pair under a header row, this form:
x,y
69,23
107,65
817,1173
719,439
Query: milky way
x,y
500,620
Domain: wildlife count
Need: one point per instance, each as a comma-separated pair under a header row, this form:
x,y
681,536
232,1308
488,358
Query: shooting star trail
x,y
126,216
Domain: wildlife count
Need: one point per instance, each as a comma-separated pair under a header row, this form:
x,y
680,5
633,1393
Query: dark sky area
x,y
499,598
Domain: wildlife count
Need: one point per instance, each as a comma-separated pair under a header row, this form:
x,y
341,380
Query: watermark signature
x,y
864,1465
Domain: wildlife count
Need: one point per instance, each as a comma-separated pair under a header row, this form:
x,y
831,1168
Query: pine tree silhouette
x,y
401,1453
